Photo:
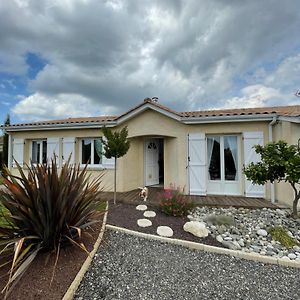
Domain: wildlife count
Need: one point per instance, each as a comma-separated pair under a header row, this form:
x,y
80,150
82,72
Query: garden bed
x,y
126,216
35,284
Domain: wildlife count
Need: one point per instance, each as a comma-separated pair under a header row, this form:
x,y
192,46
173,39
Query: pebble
x,y
292,256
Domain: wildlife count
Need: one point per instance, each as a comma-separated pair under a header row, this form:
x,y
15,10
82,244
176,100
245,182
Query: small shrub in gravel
x,y
173,203
280,234
220,220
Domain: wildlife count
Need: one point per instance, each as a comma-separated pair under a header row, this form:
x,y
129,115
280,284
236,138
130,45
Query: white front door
x,y
151,162
223,165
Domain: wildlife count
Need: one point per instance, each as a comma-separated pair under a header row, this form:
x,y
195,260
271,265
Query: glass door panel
x,y
230,157
213,158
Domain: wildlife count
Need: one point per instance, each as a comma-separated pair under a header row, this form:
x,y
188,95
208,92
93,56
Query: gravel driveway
x,y
128,267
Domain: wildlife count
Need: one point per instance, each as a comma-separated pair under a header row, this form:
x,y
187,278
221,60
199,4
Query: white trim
x,y
145,107
9,159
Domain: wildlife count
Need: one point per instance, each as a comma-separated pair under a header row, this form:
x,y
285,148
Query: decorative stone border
x,y
78,278
213,249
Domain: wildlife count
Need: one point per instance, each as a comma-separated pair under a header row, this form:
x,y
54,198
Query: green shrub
x,y
220,220
280,234
173,203
45,211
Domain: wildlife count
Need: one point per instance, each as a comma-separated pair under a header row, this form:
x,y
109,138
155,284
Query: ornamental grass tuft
x,y
280,234
45,210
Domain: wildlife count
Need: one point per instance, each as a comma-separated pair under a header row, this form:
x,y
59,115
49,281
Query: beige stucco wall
x,y
130,169
289,132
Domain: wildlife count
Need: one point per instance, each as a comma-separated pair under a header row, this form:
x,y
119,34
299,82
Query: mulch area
x,y
35,284
126,215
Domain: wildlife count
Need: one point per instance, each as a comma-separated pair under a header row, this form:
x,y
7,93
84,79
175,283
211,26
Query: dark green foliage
x,y
279,161
5,143
280,234
45,211
172,202
116,145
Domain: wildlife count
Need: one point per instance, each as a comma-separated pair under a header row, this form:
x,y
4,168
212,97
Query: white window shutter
x,y
18,152
252,138
53,149
197,163
107,163
69,149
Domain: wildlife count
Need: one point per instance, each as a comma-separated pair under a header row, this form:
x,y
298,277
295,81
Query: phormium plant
x,y
173,202
44,210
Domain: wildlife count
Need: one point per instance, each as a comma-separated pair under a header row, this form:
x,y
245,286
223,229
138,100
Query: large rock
x,y
165,231
141,207
196,228
149,214
262,232
144,222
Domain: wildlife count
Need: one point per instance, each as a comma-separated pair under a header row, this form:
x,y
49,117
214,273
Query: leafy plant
x,y
4,157
45,211
280,234
173,203
116,145
279,161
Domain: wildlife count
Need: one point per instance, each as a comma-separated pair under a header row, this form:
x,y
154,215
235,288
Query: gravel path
x,y
128,267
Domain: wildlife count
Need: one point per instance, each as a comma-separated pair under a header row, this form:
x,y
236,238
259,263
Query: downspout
x,y
273,122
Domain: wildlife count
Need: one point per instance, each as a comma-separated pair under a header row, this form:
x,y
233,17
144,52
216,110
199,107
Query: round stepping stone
x,y
149,214
165,231
141,207
144,222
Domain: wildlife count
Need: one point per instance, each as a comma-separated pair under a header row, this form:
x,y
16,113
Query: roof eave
x,y
228,119
87,125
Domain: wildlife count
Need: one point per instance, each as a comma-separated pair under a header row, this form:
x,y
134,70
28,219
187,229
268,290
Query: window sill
x,y
96,168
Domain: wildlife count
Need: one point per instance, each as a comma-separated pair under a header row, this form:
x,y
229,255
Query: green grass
x,y
280,234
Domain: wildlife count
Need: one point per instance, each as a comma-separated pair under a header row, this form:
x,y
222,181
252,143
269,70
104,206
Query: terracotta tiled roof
x,y
291,111
69,121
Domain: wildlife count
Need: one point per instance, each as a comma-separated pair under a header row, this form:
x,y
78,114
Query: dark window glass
x,y
97,151
44,152
34,154
86,151
214,158
230,157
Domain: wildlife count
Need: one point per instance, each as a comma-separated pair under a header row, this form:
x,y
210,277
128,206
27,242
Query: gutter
x,y
223,119
273,122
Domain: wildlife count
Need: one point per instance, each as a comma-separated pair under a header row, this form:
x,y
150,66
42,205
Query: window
x,y
39,152
222,157
91,151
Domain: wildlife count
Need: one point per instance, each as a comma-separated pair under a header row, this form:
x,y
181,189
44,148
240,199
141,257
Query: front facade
x,y
203,152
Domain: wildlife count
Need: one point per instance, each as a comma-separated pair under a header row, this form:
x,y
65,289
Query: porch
x,y
132,197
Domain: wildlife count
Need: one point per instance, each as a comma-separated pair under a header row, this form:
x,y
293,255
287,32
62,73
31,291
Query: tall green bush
x,y
279,162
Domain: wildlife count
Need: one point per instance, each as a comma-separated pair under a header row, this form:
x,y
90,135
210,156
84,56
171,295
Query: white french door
x,y
223,165
151,162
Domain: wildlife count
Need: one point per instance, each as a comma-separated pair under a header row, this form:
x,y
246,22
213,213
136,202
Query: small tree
x,y
116,145
279,162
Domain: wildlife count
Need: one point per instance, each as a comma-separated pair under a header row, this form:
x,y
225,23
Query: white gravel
x,y
128,267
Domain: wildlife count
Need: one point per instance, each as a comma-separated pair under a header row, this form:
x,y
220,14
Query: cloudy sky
x,y
65,58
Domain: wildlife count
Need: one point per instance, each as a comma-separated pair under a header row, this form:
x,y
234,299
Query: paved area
x,y
128,267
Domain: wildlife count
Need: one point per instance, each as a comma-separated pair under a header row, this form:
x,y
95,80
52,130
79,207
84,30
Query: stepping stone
x,y
144,222
165,231
149,214
141,207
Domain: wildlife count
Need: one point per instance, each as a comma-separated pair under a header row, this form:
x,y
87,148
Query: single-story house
x,y
202,151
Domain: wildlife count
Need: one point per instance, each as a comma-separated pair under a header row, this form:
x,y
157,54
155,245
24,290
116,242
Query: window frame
x,y
91,165
40,141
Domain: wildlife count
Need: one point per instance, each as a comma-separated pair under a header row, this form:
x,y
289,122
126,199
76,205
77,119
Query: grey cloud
x,y
188,53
